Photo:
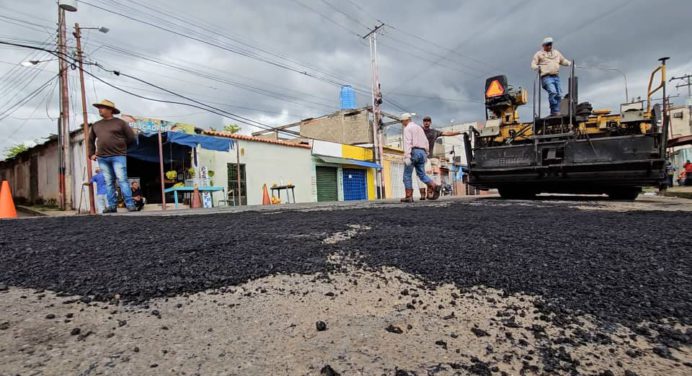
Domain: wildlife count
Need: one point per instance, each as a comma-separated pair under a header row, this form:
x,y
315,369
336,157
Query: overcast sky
x,y
280,61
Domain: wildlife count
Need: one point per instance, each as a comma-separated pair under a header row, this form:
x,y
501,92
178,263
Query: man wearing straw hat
x,y
108,141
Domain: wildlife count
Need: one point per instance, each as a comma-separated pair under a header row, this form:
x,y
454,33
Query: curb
x,y
687,195
31,211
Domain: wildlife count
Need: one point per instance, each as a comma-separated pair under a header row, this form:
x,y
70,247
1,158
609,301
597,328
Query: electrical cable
x,y
198,104
45,99
352,18
12,108
211,29
220,46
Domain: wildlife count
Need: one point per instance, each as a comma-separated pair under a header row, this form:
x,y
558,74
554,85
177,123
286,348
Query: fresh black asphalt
x,y
626,268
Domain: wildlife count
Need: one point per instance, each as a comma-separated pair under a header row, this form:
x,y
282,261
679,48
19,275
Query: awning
x,y
680,141
347,161
194,140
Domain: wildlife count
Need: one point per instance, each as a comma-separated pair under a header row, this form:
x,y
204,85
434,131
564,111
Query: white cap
x,y
547,40
406,116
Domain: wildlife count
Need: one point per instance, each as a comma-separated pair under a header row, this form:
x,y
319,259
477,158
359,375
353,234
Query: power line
x,y
24,24
350,17
327,18
212,30
220,46
196,104
12,108
218,79
45,99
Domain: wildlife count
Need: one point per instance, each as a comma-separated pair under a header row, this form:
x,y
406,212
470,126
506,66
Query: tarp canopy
x,y
205,142
147,149
175,145
348,161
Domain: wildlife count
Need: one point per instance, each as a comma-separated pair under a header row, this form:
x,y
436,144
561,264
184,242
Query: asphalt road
x,y
628,268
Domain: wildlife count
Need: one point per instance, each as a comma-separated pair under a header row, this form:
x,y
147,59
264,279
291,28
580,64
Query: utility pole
x,y
688,78
376,94
63,123
85,124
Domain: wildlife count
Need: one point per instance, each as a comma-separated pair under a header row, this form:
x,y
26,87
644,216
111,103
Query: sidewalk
x,y
681,192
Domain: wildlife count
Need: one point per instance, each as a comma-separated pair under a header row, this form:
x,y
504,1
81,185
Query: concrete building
x,y
681,136
320,171
33,174
262,161
348,127
449,150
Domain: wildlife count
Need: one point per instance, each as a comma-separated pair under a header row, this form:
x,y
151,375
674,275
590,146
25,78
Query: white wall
x,y
265,164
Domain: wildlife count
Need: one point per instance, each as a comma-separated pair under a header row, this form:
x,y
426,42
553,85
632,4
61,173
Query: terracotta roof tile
x,y
255,139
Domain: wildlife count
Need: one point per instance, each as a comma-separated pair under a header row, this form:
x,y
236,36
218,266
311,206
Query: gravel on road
x,y
619,269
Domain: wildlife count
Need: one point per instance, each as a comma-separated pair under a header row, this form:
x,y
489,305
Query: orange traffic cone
x,y
196,199
7,209
265,196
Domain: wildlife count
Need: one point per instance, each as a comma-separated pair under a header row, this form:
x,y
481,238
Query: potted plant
x,y
172,175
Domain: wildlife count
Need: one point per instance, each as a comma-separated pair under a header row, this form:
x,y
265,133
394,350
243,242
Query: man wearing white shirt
x,y
416,147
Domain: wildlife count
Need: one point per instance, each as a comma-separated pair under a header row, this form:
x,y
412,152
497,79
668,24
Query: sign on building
x,y
149,125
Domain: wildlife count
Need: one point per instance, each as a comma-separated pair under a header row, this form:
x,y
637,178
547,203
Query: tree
x,y
12,151
232,128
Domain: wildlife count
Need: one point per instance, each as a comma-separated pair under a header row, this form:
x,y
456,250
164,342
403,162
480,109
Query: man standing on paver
x,y
432,164
415,154
547,61
108,141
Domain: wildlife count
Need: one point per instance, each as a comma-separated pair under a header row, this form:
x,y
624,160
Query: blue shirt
x,y
100,183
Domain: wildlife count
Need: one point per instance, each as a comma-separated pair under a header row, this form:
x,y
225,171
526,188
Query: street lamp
x,y
68,5
30,63
627,96
101,29
85,125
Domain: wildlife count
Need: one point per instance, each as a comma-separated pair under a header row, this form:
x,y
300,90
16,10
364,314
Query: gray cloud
x,y
434,57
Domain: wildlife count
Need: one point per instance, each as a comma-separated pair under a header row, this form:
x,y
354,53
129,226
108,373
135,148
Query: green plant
x,y
232,128
210,173
191,172
171,175
12,151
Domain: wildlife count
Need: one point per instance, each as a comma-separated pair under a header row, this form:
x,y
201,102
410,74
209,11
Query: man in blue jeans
x,y
547,62
108,141
415,154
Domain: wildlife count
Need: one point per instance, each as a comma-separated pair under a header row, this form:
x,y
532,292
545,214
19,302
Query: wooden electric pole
x,y
688,78
64,122
85,124
376,95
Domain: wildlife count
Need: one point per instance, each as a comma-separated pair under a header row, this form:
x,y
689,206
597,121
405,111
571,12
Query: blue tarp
x,y
206,142
175,145
146,148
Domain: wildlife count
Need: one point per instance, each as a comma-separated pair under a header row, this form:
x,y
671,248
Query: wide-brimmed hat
x,y
108,104
547,40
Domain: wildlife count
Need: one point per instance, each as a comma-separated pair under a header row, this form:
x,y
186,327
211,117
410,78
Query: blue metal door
x,y
355,184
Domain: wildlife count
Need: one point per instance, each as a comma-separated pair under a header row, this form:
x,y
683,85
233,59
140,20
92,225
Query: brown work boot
x,y
434,191
409,196
423,194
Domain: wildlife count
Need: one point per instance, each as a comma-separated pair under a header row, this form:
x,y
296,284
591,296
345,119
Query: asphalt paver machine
x,y
580,151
